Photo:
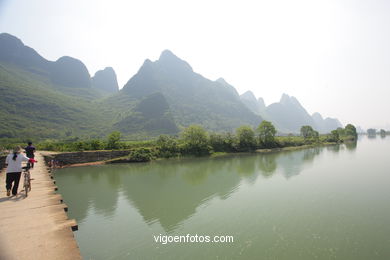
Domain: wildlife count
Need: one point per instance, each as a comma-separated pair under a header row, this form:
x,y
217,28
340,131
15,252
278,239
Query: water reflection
x,y
351,146
170,191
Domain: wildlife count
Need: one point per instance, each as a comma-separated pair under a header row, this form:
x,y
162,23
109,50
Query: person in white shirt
x,y
14,170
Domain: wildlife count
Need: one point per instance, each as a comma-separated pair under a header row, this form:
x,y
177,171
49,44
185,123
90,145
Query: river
x,y
320,203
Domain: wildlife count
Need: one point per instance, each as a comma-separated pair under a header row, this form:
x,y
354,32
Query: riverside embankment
x,y
37,226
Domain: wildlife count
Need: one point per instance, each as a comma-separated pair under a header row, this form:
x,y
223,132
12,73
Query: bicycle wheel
x,y
25,184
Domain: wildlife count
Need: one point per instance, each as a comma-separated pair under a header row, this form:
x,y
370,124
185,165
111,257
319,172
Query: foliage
x,y
382,132
350,130
288,141
142,154
195,141
225,142
167,146
266,132
246,138
113,140
334,136
309,134
306,131
340,131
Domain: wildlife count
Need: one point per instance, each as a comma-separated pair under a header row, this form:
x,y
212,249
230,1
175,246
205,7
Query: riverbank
x,y
87,158
37,226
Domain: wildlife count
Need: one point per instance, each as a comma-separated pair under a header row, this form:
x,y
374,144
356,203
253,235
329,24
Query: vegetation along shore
x,y
196,141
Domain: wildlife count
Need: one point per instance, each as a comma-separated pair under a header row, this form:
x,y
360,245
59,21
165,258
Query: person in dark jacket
x,y
30,149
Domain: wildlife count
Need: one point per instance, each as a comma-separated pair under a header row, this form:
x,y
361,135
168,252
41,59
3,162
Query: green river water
x,y
321,203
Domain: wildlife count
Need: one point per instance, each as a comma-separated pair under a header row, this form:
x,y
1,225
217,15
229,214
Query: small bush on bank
x,y
142,154
167,146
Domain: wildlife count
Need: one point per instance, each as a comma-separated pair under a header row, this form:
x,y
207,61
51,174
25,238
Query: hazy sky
x,y
334,56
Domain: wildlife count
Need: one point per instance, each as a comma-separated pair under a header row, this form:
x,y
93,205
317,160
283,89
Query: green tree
x,y
167,146
195,140
350,130
246,138
217,142
266,132
309,134
225,142
113,140
306,131
382,132
334,136
94,144
141,154
340,131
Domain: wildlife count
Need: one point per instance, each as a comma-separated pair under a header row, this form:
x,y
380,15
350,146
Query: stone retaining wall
x,y
84,157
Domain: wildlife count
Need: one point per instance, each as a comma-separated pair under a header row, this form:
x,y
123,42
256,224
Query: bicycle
x,y
27,179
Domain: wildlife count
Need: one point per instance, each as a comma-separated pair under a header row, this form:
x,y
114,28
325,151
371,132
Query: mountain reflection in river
x,y
154,188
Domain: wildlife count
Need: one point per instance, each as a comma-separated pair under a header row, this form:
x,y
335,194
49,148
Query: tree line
x,y
374,132
195,140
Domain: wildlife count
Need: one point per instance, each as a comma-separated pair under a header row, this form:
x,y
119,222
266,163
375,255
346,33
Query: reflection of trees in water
x,y
291,163
89,187
170,191
267,164
351,146
334,148
309,154
175,198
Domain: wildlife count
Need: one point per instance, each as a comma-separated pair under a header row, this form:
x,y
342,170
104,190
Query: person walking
x,y
13,161
30,149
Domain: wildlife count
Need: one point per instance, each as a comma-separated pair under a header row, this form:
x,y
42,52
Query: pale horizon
x,y
332,56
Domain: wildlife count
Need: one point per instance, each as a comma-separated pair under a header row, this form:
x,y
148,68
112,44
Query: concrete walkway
x,y
37,226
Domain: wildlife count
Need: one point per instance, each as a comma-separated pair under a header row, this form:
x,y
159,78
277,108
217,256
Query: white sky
x,y
333,55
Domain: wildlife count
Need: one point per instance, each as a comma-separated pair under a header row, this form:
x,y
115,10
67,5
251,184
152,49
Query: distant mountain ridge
x,y
61,99
14,51
288,115
65,72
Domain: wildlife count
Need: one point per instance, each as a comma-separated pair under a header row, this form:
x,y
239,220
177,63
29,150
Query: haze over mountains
x,y
288,114
57,99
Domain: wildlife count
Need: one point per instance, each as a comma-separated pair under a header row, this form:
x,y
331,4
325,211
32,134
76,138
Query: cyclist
x,y
30,149
13,161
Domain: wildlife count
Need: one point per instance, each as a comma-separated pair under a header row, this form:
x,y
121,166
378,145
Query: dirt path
x,y
37,226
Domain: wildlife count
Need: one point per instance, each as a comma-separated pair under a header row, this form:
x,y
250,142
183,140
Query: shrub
x,y
195,141
246,138
266,132
225,142
142,154
113,140
167,146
